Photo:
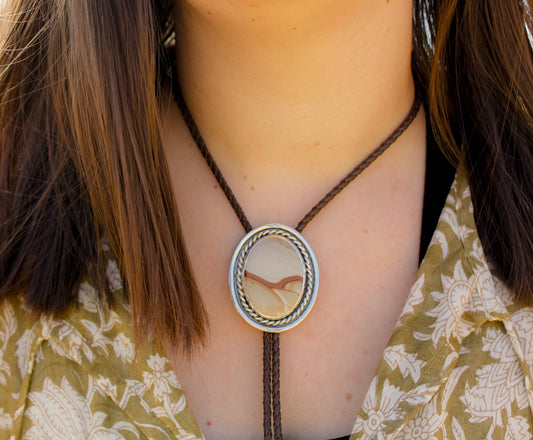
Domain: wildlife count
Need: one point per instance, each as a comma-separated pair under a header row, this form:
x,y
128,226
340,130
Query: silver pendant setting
x,y
273,278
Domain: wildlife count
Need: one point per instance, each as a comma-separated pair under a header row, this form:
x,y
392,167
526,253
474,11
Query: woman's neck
x,y
285,86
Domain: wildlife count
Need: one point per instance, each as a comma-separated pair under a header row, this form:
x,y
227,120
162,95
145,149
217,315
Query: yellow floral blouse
x,y
458,365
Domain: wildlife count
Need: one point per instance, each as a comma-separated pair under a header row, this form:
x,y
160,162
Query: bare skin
x,y
289,98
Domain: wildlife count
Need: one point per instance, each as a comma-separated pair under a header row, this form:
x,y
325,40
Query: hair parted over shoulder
x,y
81,155
81,158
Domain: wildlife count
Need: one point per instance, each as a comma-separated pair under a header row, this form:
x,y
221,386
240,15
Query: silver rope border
x,y
236,278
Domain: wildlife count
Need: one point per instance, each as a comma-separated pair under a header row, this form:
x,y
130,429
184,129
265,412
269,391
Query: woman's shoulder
x,y
461,357
459,297
89,324
65,376
456,253
46,358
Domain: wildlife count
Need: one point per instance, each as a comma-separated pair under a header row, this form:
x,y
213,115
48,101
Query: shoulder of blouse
x,y
68,376
460,360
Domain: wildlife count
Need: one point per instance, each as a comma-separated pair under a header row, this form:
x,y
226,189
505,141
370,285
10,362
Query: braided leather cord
x,y
195,133
364,164
268,415
276,410
271,358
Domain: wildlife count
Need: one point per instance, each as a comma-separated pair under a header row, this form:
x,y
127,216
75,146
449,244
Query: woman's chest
x,y
366,242
367,265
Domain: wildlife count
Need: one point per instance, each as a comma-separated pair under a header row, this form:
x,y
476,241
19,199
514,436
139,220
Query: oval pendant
x,y
273,278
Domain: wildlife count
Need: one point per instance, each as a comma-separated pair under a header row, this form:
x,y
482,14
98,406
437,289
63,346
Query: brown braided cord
x,y
271,387
267,385
271,358
195,133
276,401
367,161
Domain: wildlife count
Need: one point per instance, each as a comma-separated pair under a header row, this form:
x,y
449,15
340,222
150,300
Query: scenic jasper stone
x,y
273,277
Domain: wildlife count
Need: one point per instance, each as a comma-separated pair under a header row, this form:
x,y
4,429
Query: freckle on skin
x,y
348,397
215,186
293,28
365,231
306,374
316,144
252,188
245,177
208,423
365,351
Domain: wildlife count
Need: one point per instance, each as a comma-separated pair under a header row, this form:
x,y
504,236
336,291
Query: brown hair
x,y
477,67
81,154
81,158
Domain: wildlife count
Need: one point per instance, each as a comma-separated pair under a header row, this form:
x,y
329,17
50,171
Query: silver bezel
x,y
236,278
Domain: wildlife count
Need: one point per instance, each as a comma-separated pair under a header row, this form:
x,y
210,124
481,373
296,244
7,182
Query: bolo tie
x,y
273,272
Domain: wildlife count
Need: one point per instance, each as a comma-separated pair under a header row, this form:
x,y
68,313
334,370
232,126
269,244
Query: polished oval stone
x,y
273,277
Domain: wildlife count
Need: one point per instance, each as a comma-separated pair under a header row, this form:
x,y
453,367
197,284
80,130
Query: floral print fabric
x,y
80,378
458,365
